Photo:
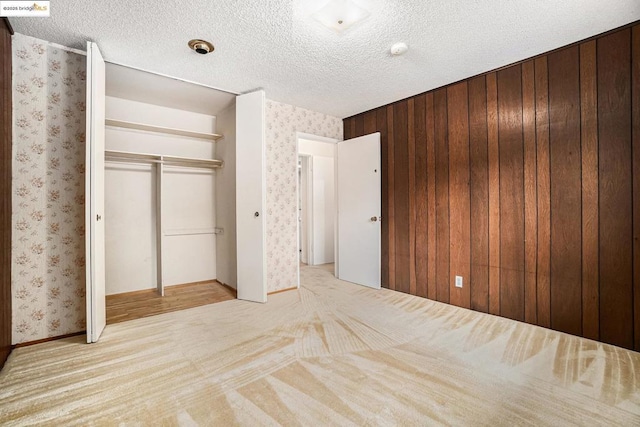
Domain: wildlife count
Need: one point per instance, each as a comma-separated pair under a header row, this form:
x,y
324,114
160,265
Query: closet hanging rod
x,y
193,165
131,157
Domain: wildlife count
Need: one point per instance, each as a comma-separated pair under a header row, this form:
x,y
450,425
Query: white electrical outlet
x,y
458,281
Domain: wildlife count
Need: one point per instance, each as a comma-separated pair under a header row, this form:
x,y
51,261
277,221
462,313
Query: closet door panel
x,y
94,196
251,196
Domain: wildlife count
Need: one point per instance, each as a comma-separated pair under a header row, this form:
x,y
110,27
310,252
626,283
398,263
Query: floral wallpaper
x,y
48,283
283,121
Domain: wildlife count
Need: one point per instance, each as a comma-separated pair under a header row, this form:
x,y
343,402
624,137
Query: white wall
x,y
316,148
189,206
226,197
130,236
321,156
188,203
324,210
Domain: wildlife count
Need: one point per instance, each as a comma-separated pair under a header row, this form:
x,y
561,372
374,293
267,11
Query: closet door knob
x,y
257,214
98,217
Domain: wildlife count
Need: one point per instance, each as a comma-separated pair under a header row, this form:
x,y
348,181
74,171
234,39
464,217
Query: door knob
x,y
257,214
374,218
98,217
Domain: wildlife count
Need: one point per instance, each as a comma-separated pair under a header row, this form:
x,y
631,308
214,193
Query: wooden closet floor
x,y
134,305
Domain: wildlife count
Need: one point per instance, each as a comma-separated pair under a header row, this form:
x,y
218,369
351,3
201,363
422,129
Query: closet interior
x,y
169,191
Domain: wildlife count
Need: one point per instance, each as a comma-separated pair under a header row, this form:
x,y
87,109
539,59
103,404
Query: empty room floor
x,y
332,353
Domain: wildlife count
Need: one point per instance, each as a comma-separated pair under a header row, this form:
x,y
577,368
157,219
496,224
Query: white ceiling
x,y
276,46
136,85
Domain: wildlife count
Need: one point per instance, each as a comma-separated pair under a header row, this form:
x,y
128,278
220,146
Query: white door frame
x,y
306,219
316,138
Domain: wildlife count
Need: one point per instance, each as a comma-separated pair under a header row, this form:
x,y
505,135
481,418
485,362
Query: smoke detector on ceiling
x,y
399,49
201,46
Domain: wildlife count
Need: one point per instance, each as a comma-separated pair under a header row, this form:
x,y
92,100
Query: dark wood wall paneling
x,y
5,190
526,182
615,187
566,194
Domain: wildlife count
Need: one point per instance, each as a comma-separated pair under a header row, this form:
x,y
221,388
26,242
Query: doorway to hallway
x,y
316,200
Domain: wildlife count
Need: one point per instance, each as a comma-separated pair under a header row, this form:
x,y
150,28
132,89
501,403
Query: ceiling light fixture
x,y
339,15
201,46
399,49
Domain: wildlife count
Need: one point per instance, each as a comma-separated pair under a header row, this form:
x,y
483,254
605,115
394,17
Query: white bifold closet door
x,y
94,198
251,196
359,210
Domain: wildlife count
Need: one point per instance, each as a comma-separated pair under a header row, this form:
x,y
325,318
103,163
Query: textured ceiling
x,y
276,46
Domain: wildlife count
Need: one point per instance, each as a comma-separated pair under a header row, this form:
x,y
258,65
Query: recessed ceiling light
x,y
201,46
339,15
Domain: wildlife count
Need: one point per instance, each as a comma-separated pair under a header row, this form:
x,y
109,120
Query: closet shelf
x,y
162,129
132,157
192,231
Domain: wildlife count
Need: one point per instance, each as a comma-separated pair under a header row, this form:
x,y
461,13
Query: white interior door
x,y
251,197
359,210
303,211
94,196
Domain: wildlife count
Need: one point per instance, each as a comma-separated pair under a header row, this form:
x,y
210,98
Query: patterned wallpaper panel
x,y
283,121
48,283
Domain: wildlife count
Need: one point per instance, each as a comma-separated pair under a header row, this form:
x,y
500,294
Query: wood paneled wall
x,y
525,181
5,190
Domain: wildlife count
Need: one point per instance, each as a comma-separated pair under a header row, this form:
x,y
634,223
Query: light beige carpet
x,y
331,353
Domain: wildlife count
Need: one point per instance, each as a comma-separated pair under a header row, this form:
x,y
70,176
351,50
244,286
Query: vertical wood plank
x,y
459,197
411,142
615,188
421,236
479,187
5,190
442,196
392,199
401,183
359,126
635,72
494,194
370,122
530,197
510,142
589,144
381,126
348,127
544,193
431,198
566,187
